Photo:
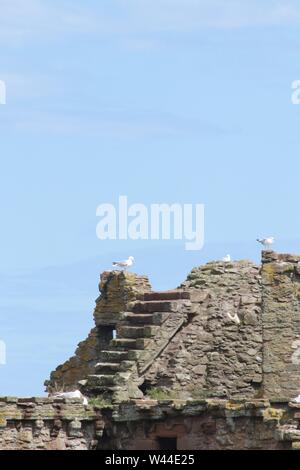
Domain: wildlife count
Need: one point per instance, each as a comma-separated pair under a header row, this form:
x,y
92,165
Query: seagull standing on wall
x,y
266,242
234,318
75,394
297,399
124,264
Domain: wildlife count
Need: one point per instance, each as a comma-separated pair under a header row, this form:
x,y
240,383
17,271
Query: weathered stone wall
x,y
204,425
142,333
117,289
66,376
281,325
60,424
212,355
48,424
230,331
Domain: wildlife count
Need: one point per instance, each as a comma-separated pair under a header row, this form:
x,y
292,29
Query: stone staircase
x,y
290,432
144,331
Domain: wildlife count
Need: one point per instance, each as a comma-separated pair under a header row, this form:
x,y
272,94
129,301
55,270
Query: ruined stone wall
x,y
117,289
48,424
66,376
212,355
281,325
234,333
62,424
204,425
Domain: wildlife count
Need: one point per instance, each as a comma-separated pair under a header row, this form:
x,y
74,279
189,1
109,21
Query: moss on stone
x,y
268,272
271,414
160,394
231,406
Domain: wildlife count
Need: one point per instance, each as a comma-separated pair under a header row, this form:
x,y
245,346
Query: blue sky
x,y
168,101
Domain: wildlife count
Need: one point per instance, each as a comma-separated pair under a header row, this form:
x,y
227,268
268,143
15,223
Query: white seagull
x,y
234,318
226,259
266,242
124,264
75,394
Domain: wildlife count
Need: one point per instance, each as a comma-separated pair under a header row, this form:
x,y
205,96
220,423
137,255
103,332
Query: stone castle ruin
x,y
214,364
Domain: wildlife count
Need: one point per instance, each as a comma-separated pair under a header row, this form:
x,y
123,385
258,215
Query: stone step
x,y
107,368
113,356
142,343
127,366
94,389
139,318
157,318
124,331
147,331
122,343
134,354
128,344
155,306
97,380
166,295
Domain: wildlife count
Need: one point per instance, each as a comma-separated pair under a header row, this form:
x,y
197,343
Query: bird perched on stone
x,y
266,242
75,394
226,259
234,318
124,264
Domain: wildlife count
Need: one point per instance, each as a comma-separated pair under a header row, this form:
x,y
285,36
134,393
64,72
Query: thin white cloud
x,y
193,15
28,87
23,20
112,122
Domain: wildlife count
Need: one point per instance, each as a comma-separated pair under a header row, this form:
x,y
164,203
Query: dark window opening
x,y
167,443
165,385
144,387
105,335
